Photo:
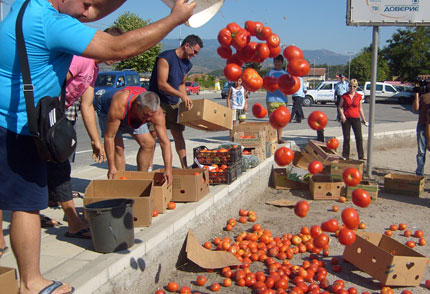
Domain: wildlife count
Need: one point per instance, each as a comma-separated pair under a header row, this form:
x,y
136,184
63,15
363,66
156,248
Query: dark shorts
x,y
23,174
59,181
171,112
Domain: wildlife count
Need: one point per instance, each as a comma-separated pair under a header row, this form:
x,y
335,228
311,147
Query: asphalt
x,y
75,261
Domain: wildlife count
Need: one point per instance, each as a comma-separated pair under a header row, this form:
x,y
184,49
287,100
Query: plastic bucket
x,y
111,224
203,12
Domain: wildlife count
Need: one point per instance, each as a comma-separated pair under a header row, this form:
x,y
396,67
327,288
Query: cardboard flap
x,y
206,258
282,203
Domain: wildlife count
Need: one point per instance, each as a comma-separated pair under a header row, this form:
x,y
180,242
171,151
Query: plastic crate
x,y
226,176
213,156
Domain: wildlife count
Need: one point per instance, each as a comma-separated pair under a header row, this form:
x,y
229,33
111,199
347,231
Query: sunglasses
x,y
353,86
195,52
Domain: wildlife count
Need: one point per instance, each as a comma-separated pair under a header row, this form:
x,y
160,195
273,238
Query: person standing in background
x,y
421,104
339,89
298,97
276,98
236,100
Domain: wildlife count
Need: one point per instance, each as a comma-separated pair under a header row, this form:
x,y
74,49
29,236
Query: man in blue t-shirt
x,y
339,89
52,34
168,81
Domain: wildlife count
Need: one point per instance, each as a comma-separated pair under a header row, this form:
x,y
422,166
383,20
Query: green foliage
x,y
408,53
144,62
206,81
361,67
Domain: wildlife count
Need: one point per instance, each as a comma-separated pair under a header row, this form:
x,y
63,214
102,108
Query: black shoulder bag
x,y
53,133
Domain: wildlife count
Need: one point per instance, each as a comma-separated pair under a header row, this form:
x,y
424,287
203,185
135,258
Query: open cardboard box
x,y
385,259
338,167
189,185
281,181
316,150
371,187
322,187
206,115
8,280
250,128
138,190
410,185
161,194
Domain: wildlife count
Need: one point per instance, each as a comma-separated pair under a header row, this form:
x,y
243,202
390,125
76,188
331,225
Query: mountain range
x,y
208,60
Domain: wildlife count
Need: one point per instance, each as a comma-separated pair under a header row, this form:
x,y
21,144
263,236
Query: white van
x,y
387,93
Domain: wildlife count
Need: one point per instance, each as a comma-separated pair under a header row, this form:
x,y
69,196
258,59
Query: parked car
x,y
388,93
192,88
145,84
110,80
323,93
226,87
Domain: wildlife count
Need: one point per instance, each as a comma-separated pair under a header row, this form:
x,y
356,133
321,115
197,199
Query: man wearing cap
x,y
339,89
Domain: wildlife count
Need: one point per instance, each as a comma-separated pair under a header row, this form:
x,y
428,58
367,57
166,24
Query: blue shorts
x,y
143,129
23,174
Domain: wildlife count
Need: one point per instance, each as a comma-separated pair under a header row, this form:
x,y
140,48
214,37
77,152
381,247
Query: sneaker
x,y
149,169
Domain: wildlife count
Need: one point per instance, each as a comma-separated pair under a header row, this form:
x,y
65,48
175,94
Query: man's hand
x,y
182,11
188,102
98,152
168,175
112,173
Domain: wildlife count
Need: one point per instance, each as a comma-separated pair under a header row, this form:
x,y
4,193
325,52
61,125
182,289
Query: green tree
x,y
408,53
361,67
144,62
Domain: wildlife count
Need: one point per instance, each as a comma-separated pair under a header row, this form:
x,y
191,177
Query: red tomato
x,y
258,110
280,117
292,52
351,176
234,28
172,287
273,40
250,26
281,284
283,156
288,84
159,291
224,51
331,225
264,33
301,208
234,59
332,143
251,79
185,290
361,198
240,40
298,67
247,53
317,120
215,287
315,167
427,284
346,237
154,213
201,280
350,218
270,84
321,241
315,231
274,51
224,37
232,71
262,51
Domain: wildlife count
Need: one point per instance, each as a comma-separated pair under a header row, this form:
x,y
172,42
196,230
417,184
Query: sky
x,y
308,24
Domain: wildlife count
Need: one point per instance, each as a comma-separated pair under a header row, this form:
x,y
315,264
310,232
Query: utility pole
x,y
349,63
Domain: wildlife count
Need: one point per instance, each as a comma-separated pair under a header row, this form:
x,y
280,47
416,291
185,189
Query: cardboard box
x,y
250,128
188,187
324,188
281,181
385,259
316,150
337,167
161,194
300,160
409,185
8,280
138,190
271,149
370,187
206,115
251,140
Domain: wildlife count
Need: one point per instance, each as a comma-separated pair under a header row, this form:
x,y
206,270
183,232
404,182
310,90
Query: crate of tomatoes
x,y
218,156
223,174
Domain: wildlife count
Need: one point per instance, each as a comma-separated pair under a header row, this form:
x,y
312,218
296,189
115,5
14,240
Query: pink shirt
x,y
84,71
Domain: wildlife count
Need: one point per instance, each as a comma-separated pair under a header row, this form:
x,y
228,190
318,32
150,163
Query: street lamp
x,y
349,62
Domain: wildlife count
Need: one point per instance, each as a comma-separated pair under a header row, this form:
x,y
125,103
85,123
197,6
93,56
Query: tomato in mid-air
x,y
253,26
251,80
361,198
291,52
224,37
234,28
234,59
351,176
224,51
317,120
273,40
350,218
274,51
240,39
298,67
331,225
283,156
288,84
246,54
232,71
258,110
264,33
262,52
332,143
301,208
280,117
270,84
346,237
315,167
321,241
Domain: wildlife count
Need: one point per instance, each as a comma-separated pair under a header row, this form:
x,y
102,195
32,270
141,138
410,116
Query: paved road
x,y
384,113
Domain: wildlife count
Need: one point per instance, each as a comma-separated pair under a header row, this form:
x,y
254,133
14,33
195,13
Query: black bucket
x,y
111,224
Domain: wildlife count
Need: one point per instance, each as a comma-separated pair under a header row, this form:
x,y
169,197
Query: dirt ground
x,y
389,209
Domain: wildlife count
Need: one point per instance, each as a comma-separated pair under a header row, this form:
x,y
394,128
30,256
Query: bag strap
x,y
28,87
